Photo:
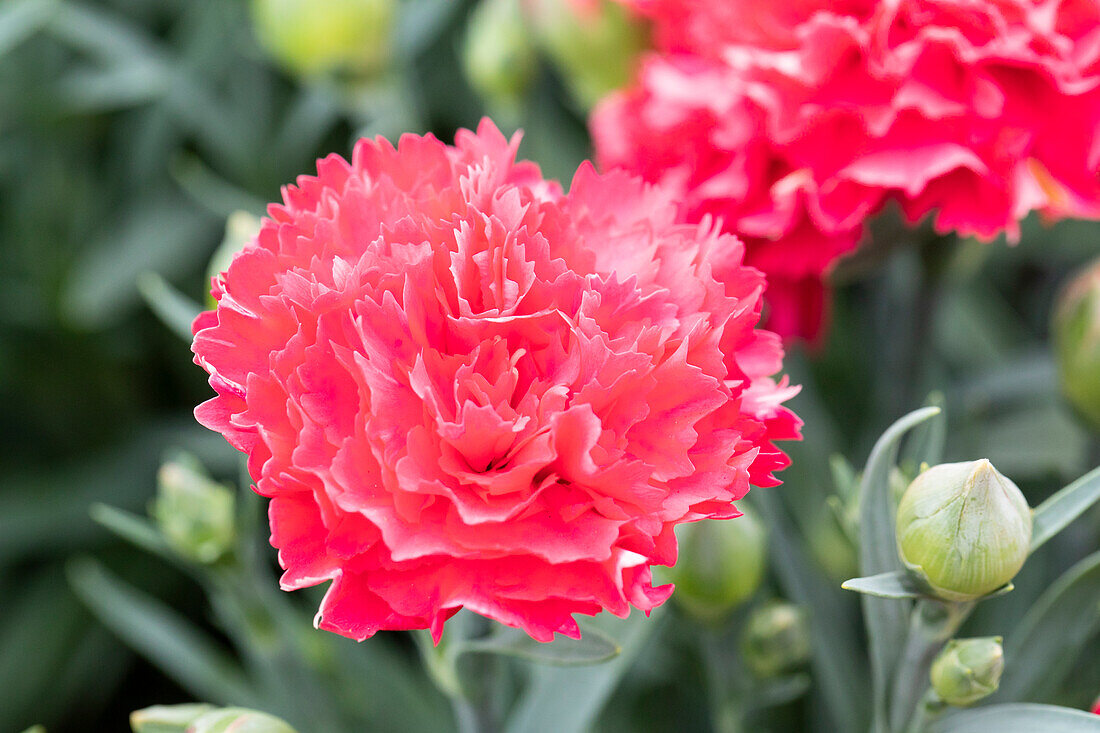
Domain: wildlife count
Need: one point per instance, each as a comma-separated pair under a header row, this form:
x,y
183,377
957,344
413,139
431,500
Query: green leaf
x,y
136,530
39,625
210,190
780,691
593,647
1018,718
836,656
163,235
164,637
174,309
926,441
47,511
886,620
21,19
1052,516
568,700
419,25
894,584
1042,648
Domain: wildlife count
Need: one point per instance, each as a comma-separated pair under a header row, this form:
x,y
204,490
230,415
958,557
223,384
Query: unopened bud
x,y
498,54
204,719
593,43
315,37
721,563
1076,337
167,718
195,514
964,529
968,670
776,639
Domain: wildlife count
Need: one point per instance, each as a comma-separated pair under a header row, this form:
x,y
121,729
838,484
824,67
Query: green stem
x,y
726,710
930,708
469,694
931,625
934,255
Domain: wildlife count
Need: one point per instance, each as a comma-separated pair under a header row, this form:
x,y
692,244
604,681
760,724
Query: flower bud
x,y
593,43
776,639
167,718
968,670
498,55
200,718
721,564
1076,337
315,37
195,514
964,528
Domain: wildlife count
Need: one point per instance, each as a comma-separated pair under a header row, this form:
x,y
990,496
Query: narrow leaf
x,y
168,640
22,18
1018,718
1040,651
568,700
894,584
886,620
136,530
1052,516
174,309
836,657
592,648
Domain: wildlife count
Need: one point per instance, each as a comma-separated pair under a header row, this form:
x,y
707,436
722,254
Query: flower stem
x,y
930,708
726,710
931,625
470,693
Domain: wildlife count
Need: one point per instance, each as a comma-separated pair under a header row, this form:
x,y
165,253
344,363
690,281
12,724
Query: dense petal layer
x,y
462,387
794,122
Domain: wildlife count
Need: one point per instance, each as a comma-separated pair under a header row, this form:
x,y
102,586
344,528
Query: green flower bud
x,y
498,55
200,718
968,670
167,718
964,529
776,639
195,514
593,43
240,228
315,37
1076,337
721,564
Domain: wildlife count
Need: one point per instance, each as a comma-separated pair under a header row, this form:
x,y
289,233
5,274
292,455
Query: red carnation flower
x,y
463,388
1096,707
797,126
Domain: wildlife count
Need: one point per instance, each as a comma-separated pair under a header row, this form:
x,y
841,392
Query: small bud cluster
x,y
968,670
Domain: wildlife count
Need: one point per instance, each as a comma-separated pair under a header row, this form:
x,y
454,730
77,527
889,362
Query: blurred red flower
x,y
794,122
461,387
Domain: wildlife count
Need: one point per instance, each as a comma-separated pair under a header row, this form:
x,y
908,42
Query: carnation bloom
x,y
461,387
798,121
1096,707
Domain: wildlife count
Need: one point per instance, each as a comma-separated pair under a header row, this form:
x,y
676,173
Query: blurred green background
x,y
131,129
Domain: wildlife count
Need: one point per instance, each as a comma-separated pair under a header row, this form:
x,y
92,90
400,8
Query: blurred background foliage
x,y
131,129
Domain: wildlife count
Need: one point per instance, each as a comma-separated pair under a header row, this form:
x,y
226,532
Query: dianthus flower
x,y
461,387
1096,707
802,119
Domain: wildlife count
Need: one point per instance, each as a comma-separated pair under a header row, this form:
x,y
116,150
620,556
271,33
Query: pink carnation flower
x,y
797,126
463,388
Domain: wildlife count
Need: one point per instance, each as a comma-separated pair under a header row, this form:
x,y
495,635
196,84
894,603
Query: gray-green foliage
x,y
131,129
